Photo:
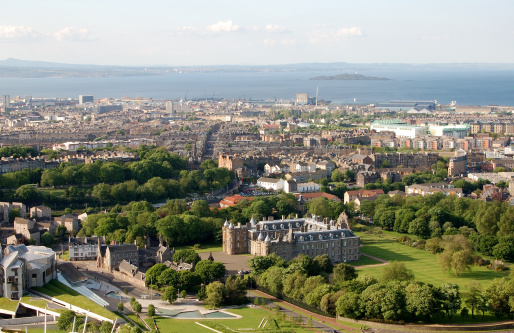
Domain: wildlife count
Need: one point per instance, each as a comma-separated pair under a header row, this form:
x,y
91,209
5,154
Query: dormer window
x,y
274,226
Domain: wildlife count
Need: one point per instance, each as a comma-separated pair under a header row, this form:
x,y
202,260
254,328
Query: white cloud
x,y
72,34
15,31
268,42
349,32
274,28
288,42
318,37
227,26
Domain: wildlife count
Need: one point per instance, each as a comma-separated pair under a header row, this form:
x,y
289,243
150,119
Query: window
x,y
350,251
344,244
350,242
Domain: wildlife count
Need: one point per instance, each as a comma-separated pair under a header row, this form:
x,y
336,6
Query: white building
x,y
84,248
458,131
305,167
307,187
24,267
271,183
400,129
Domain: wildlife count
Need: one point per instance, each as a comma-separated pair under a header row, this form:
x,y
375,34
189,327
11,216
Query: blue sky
x,y
259,32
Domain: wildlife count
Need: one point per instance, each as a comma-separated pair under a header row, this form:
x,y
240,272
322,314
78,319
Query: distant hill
x,y
347,76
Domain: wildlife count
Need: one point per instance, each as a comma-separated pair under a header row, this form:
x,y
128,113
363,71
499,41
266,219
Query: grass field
x,y
203,249
364,261
58,290
423,264
136,320
252,317
8,304
40,303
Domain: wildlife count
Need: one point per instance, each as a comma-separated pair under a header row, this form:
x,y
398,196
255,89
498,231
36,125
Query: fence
x,y
294,302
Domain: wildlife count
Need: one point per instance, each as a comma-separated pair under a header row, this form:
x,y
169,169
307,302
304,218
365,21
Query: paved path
x,y
383,262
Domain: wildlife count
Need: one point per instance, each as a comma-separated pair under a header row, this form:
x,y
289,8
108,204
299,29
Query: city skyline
x,y
264,33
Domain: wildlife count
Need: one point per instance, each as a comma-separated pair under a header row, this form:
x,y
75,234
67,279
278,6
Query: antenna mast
x,y
316,96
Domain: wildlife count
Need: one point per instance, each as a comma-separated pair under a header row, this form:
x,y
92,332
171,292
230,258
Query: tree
x,y
397,271
215,292
200,208
260,264
151,310
449,298
65,320
348,305
473,297
120,306
272,279
169,294
337,176
504,250
102,191
167,277
136,306
322,263
106,327
235,289
210,270
153,273
186,255
27,194
52,177
349,174
344,272
47,239
420,299
320,207
457,254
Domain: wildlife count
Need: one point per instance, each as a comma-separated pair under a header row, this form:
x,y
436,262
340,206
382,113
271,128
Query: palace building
x,y
288,238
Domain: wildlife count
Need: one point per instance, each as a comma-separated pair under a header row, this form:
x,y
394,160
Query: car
x,y
157,294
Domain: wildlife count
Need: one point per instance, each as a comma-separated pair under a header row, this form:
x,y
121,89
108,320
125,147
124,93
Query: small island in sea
x,y
346,76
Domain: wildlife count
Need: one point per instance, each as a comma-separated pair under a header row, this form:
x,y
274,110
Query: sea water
x,y
467,87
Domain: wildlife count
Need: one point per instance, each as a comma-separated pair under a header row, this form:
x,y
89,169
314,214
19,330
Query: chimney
x,y
283,217
296,216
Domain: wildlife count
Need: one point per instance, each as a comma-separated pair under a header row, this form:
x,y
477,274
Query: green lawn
x,y
58,290
423,264
364,261
8,304
136,320
40,303
203,249
252,317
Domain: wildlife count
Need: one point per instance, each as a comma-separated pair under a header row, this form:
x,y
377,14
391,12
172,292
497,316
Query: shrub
x,y
120,306
151,310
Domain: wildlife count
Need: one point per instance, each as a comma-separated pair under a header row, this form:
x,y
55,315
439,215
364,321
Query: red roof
x,y
310,196
233,200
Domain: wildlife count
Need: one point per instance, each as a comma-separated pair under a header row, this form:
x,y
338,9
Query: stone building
x,y
109,257
230,162
458,163
288,238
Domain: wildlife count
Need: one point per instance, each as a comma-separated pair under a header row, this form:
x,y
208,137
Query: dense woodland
x,y
157,176
395,296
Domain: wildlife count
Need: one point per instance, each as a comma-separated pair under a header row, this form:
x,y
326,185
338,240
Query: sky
x,y
259,32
